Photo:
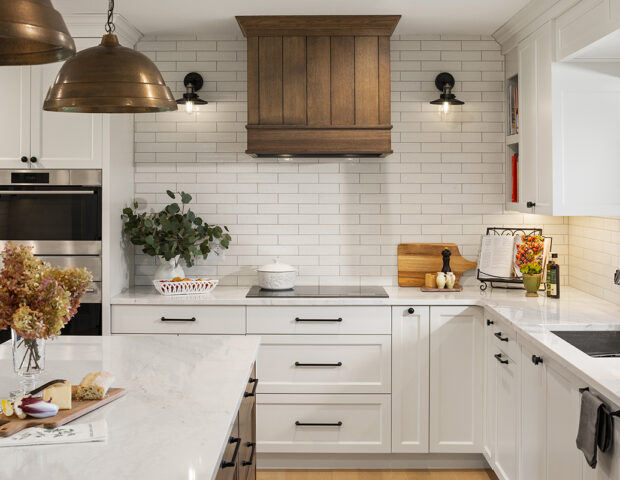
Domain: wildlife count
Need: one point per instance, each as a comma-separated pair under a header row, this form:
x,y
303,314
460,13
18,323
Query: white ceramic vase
x,y
441,280
168,269
450,280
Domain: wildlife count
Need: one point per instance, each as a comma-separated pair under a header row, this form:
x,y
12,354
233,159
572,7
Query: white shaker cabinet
x,y
15,118
456,379
564,461
33,138
532,446
490,379
61,139
410,377
507,419
535,60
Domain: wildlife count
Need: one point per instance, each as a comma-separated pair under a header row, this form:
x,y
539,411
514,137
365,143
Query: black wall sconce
x,y
193,82
445,83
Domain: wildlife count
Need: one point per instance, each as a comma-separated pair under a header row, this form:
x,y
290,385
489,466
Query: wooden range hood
x,y
319,85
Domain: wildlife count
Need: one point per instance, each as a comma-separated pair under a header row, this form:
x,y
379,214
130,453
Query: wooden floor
x,y
375,475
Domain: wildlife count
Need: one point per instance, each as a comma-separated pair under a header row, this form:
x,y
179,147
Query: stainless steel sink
x,y
596,343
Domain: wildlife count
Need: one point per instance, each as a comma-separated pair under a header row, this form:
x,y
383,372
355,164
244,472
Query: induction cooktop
x,y
310,291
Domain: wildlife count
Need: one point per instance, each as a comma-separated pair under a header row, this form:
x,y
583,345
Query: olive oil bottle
x,y
553,277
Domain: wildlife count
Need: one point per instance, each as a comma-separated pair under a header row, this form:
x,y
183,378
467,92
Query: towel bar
x,y
613,414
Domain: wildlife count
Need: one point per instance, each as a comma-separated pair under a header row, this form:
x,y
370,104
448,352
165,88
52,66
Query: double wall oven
x,y
58,213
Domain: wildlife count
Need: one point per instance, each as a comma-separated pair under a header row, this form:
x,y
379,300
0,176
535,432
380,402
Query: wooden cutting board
x,y
417,259
12,424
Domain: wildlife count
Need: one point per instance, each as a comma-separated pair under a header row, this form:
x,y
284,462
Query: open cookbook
x,y
497,261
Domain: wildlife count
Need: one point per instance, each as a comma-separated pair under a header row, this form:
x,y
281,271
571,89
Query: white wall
x,y
337,220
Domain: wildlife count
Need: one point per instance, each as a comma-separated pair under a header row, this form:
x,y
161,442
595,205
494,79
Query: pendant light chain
x,y
109,26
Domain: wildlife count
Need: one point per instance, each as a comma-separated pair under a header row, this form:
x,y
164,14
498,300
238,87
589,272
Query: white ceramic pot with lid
x,y
276,276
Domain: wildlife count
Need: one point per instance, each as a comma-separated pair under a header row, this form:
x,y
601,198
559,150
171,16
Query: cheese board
x,y
12,425
417,259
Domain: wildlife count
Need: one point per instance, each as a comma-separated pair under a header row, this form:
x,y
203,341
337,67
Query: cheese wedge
x,y
59,394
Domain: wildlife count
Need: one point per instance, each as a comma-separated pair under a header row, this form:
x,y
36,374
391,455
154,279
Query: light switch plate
x,y
617,277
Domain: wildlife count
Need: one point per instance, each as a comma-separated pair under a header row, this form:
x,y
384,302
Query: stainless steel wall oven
x,y
58,213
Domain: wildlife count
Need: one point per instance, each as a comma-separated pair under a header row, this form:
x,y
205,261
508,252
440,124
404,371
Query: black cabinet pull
x,y
498,356
164,319
24,159
297,319
411,310
33,159
233,460
246,463
490,322
299,364
530,204
536,359
499,335
303,424
253,392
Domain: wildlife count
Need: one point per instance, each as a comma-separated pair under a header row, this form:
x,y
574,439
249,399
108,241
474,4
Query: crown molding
x,y
529,19
92,26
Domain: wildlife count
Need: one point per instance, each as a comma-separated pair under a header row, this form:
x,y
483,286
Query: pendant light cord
x,y
109,26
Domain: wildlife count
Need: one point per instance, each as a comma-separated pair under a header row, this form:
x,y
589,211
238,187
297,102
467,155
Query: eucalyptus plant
x,y
173,232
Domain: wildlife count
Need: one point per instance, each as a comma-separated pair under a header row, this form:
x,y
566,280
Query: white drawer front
x,y
190,320
324,364
364,428
319,320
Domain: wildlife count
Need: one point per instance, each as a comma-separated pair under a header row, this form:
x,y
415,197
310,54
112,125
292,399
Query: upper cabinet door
x,y
58,139
535,92
14,123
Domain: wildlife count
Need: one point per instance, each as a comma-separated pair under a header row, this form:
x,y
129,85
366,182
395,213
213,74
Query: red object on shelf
x,y
515,178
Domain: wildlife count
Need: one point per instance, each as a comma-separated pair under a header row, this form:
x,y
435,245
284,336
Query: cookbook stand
x,y
506,282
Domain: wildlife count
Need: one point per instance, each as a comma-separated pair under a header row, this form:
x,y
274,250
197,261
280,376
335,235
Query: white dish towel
x,y
87,432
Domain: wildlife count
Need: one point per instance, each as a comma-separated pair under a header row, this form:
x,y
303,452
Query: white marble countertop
x,y
532,318
183,394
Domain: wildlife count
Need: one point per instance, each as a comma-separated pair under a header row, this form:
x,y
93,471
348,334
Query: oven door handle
x,y
47,192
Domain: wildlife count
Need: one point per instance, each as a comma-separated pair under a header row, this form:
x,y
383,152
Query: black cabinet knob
x,y
24,159
531,204
411,310
33,159
490,322
536,359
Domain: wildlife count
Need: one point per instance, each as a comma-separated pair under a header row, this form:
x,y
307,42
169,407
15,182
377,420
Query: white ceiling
x,y
211,17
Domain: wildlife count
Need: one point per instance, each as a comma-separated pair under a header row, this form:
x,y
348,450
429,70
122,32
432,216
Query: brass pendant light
x,y
32,33
109,78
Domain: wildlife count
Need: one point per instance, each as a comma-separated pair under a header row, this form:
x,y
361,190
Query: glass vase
x,y
28,360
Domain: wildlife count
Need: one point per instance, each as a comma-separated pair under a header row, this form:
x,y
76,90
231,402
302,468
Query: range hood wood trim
x,y
317,141
317,25
321,127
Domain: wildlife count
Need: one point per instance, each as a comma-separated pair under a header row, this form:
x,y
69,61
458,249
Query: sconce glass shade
x,y
32,32
109,78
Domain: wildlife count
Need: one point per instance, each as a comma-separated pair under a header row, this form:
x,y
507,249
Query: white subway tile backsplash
x,y
340,220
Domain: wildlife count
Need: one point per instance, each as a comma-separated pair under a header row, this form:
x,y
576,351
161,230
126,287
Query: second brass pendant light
x,y
109,78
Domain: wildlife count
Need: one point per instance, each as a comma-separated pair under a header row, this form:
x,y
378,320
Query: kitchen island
x,y
184,393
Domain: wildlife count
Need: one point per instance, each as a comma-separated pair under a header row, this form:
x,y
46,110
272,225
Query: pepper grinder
x,y
446,260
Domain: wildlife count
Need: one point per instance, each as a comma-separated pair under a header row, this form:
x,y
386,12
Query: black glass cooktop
x,y
310,291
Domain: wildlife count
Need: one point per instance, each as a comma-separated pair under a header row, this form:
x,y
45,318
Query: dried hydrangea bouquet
x,y
36,302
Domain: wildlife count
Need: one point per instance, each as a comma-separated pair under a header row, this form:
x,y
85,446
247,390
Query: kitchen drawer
x,y
342,423
186,319
505,339
324,364
319,320
247,432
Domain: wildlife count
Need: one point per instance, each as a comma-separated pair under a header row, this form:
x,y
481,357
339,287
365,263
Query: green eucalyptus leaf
x,y
170,193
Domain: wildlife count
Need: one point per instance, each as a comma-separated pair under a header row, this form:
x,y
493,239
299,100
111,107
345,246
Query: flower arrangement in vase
x,y
529,260
36,301
173,234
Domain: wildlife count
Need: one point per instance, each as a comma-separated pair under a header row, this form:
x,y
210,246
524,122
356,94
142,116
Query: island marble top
x,y
174,422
